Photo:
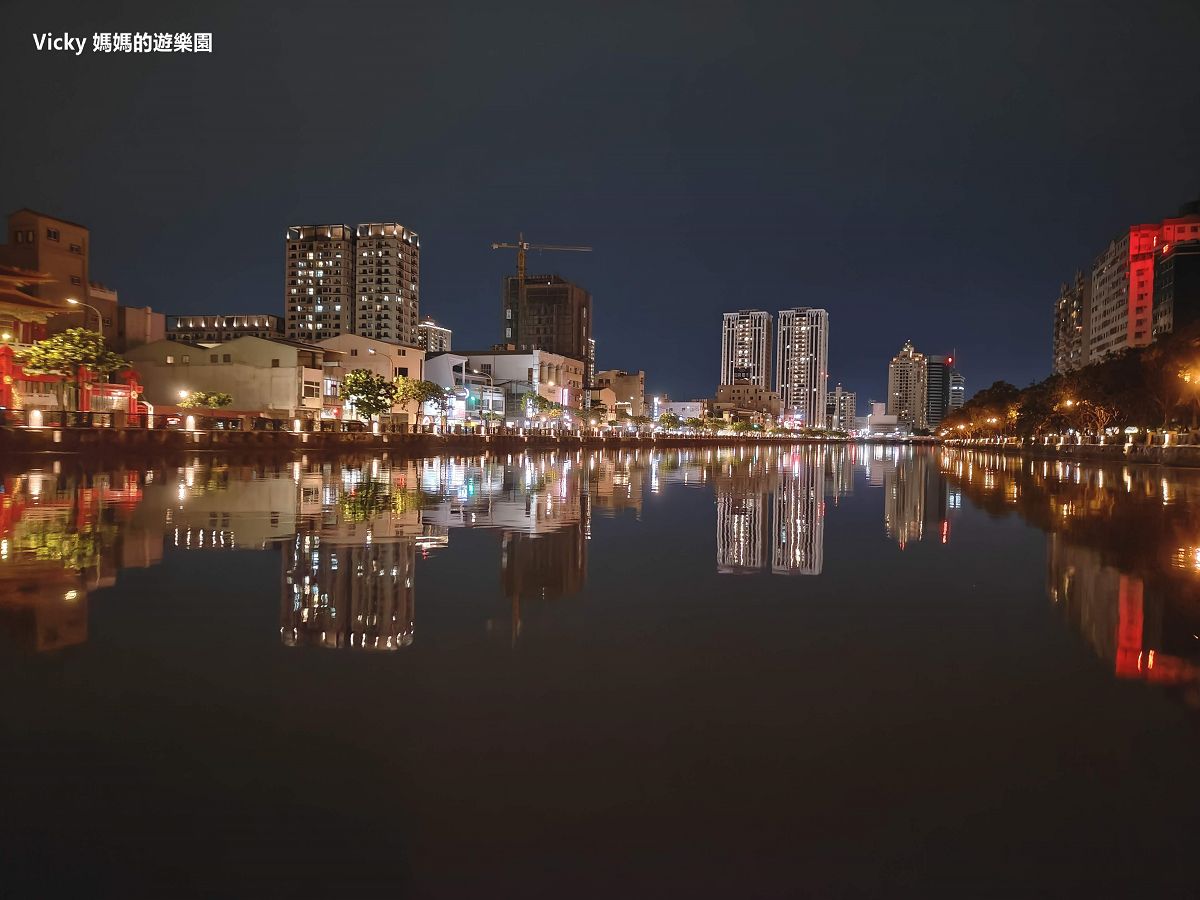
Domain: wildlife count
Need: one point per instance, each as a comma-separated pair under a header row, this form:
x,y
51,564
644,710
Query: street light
x,y
99,317
391,361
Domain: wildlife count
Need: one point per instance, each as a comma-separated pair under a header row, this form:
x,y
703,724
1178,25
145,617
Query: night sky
x,y
923,171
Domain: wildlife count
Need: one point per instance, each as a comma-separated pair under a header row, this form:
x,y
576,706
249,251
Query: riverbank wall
x,y
114,442
1181,455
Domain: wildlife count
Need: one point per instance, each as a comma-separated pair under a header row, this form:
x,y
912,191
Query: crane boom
x,y
522,246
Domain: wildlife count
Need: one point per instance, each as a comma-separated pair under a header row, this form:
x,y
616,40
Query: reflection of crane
x,y
522,246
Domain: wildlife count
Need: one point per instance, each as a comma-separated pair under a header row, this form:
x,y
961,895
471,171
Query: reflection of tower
x,y
904,499
841,473
798,539
549,565
741,532
342,593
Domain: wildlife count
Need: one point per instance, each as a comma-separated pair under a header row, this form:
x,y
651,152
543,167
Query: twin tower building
x,y
799,349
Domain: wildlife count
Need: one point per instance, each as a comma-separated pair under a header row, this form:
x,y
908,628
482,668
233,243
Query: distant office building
x,y
361,280
907,386
552,314
1072,318
218,329
939,391
958,390
1176,286
802,361
746,348
432,337
627,387
841,408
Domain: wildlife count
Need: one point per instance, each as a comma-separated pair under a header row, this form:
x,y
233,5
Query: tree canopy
x,y
1155,386
207,400
370,392
68,355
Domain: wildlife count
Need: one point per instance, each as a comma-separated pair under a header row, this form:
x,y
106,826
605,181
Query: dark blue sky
x,y
923,171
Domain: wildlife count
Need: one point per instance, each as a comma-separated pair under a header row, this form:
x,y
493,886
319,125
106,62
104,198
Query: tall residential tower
x,y
908,386
746,348
802,375
361,280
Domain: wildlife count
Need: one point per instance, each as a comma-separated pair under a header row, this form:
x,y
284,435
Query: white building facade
x,y
802,375
908,387
746,347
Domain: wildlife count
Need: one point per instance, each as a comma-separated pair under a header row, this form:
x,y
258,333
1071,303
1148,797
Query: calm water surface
x,y
736,673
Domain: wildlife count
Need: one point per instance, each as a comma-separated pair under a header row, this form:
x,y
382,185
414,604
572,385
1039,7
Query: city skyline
x,y
636,170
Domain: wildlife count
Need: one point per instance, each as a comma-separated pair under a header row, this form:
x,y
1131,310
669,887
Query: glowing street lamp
x,y
99,318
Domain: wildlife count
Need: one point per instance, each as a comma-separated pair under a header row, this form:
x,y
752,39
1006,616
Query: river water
x,y
808,671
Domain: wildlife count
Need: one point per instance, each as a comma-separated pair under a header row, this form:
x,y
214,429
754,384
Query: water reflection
x,y
1122,558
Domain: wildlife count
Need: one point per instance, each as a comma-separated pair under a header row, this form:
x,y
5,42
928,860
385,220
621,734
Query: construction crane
x,y
522,246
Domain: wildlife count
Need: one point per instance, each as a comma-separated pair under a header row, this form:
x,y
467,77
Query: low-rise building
x,y
279,378
746,401
630,388
218,329
385,358
473,396
557,378
685,409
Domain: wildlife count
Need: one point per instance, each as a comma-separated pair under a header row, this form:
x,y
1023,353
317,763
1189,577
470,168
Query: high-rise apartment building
x,y
841,408
746,348
802,373
1177,272
359,280
387,277
1123,289
551,314
432,337
908,386
1072,324
1123,293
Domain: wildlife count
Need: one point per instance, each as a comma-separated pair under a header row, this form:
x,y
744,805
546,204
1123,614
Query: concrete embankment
x,y
1183,455
112,442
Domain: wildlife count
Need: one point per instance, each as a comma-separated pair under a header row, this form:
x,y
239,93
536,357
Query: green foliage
x,y
542,406
669,420
206,400
741,427
415,390
695,423
370,393
1151,386
68,354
